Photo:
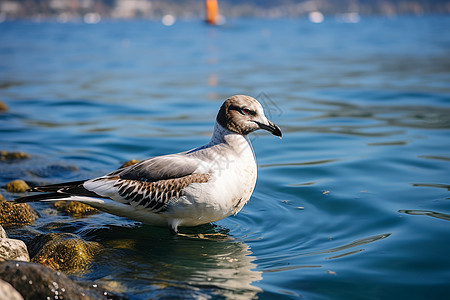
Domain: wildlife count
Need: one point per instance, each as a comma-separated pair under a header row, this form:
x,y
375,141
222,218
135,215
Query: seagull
x,y
190,188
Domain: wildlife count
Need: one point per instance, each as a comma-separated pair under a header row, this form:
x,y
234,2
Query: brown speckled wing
x,y
155,195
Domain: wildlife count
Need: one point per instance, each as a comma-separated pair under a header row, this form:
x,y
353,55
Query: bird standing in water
x,y
199,186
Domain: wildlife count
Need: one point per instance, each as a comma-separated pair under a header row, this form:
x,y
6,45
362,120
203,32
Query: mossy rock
x,y
17,186
65,252
75,208
16,214
5,155
3,106
129,163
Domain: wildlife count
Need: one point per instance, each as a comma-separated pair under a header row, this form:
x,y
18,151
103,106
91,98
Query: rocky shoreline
x,y
38,265
44,275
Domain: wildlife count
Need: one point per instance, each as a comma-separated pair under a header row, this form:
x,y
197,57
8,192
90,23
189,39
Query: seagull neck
x,y
222,135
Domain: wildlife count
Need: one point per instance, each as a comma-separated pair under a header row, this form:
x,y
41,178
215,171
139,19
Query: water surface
x,y
353,202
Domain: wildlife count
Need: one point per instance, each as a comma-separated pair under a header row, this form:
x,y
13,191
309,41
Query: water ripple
x,y
429,213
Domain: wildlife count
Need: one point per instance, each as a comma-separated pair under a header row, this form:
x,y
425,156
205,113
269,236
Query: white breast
x,y
233,170
236,176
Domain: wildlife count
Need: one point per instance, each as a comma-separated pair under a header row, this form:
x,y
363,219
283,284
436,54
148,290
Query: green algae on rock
x,y
74,208
16,214
17,186
65,252
6,156
3,106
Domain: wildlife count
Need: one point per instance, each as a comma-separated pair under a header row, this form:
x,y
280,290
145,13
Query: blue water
x,y
352,203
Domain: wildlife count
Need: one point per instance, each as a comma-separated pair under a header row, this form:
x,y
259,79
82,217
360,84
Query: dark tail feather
x,y
58,191
41,197
56,187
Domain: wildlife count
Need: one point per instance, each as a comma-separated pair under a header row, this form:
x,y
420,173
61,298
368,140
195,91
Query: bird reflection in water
x,y
201,265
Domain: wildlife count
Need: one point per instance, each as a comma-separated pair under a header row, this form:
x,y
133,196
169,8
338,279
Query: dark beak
x,y
272,128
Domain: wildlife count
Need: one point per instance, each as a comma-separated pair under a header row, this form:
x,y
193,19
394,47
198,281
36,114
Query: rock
x,y
34,281
23,233
63,252
129,163
5,155
2,198
3,234
7,291
11,249
49,212
75,208
3,106
16,214
17,186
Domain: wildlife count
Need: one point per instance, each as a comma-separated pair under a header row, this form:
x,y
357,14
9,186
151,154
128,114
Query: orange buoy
x,y
212,12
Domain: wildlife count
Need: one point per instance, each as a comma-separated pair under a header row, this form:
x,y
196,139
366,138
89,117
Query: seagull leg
x,y
173,230
173,226
207,236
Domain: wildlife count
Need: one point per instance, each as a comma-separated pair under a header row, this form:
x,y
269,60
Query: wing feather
x,y
151,183
151,195
159,168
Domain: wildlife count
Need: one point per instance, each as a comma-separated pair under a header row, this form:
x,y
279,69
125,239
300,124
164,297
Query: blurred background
x,y
352,203
69,10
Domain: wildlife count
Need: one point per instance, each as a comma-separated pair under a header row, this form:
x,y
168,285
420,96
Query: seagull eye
x,y
245,111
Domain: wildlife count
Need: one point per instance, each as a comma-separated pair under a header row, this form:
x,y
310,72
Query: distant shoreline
x,y
93,11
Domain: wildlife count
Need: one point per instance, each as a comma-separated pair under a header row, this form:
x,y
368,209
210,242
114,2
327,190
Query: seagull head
x,y
243,114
